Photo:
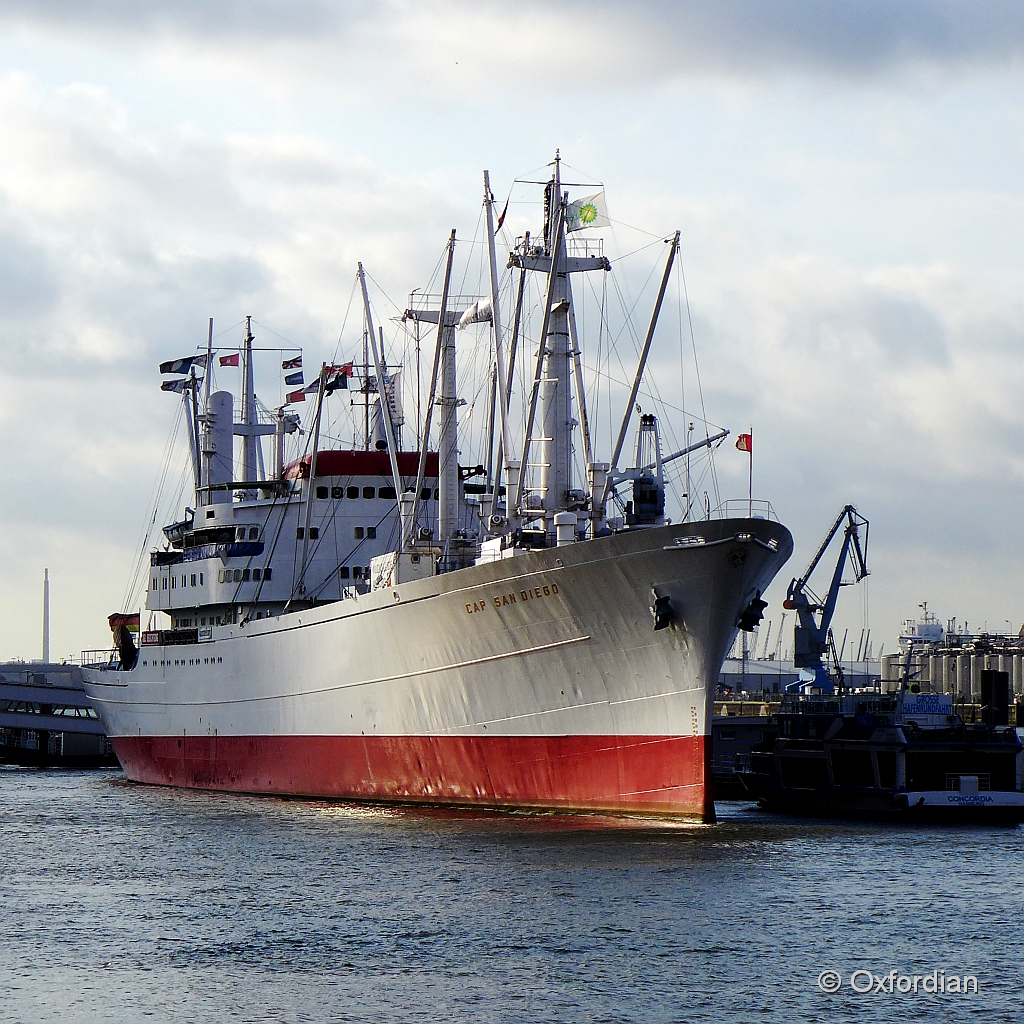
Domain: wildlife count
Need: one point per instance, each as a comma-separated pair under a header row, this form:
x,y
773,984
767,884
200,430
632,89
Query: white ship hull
x,y
534,681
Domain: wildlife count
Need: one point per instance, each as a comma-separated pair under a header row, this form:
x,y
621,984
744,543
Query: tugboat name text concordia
x,y
367,624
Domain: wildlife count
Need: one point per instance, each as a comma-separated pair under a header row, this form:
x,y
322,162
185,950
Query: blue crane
x,y
812,636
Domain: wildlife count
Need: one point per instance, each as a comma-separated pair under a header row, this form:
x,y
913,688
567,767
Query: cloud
x,y
586,48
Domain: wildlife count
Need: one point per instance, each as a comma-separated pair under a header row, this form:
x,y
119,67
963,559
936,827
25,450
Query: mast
x,y
389,429
188,397
300,586
643,355
539,378
512,469
553,377
249,442
516,321
444,497
209,365
366,394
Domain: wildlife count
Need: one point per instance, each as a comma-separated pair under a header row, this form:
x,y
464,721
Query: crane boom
x,y
812,633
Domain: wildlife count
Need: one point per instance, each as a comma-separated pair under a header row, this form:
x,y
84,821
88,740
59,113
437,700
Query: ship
x,y
46,719
370,624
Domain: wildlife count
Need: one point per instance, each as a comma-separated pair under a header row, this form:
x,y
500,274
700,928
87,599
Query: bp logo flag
x,y
589,212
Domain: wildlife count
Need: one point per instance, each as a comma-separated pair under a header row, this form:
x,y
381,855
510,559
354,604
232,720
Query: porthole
x,y
368,492
337,492
387,492
322,492
352,492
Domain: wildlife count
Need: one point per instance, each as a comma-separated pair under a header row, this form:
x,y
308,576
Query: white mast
x,y
554,452
249,441
447,446
553,376
46,615
389,429
512,468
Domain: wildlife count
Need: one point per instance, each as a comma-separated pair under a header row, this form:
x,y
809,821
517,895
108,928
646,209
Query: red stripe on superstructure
x,y
357,463
665,775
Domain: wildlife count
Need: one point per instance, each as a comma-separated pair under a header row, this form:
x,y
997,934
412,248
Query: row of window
x,y
191,661
218,621
357,572
223,576
244,575
388,493
253,531
359,532
179,581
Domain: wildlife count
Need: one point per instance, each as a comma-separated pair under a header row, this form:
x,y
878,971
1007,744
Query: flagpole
x,y
750,476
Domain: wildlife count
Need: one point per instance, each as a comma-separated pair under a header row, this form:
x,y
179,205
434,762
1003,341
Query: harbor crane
x,y
812,636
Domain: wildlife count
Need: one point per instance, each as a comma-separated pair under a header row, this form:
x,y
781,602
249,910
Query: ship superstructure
x,y
374,624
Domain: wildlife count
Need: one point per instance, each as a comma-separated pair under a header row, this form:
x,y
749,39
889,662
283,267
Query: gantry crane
x,y
812,634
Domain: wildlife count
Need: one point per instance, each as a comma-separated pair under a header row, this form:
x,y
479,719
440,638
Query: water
x,y
130,903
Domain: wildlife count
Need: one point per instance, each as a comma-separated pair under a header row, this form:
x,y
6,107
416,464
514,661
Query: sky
x,y
847,181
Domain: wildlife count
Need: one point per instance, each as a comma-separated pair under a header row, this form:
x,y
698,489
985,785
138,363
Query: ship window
x,y
387,492
345,573
202,621
300,533
193,579
357,572
219,660
437,494
368,492
256,574
358,533
245,575
267,573
220,576
337,492
200,579
237,576
314,532
425,494
156,586
174,582
211,513
371,532
240,533
352,492
322,492
254,533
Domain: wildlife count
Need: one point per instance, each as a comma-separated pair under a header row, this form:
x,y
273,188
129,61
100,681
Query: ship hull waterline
x,y
533,682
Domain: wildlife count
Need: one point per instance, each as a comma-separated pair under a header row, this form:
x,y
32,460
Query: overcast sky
x,y
847,179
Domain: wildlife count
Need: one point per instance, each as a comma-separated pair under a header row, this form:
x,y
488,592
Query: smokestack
x,y
46,615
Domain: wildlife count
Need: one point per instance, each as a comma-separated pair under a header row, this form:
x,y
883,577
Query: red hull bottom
x,y
659,775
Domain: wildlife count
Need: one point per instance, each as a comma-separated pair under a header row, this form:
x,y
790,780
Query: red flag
x,y
229,360
745,442
295,396
501,219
